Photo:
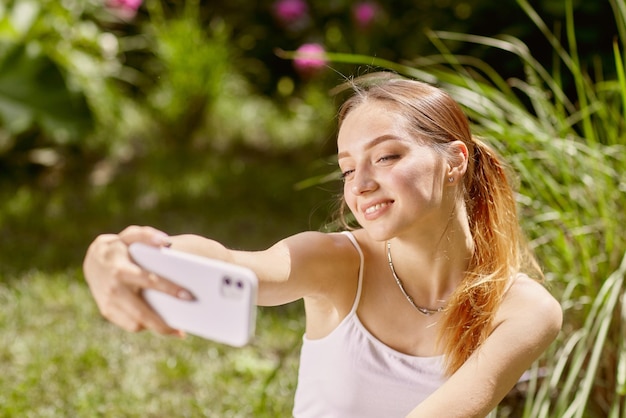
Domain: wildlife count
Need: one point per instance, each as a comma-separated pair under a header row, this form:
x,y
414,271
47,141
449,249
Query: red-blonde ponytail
x,y
499,252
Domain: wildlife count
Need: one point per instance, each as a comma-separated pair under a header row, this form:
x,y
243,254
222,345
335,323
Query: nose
x,y
363,183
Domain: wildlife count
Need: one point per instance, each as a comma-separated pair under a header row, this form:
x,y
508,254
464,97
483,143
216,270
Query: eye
x,y
346,174
387,158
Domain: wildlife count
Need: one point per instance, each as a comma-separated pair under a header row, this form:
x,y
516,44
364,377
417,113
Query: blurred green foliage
x,y
33,92
169,127
82,80
182,115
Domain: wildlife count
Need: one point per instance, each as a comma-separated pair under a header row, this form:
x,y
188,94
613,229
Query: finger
x,y
133,275
128,310
166,286
145,234
133,314
115,282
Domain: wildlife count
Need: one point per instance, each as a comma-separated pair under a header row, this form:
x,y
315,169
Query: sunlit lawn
x,y
59,358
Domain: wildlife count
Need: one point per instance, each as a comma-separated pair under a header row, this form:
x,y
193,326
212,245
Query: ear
x,y
457,164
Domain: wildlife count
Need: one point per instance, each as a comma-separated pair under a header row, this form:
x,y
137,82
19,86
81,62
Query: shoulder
x,y
327,267
529,305
315,246
527,322
320,255
321,239
308,264
523,290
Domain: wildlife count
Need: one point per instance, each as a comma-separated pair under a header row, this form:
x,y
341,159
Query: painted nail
x,y
162,239
184,295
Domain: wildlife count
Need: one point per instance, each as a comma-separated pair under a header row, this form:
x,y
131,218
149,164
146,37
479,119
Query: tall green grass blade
x,y
619,405
621,76
557,359
533,384
596,329
571,61
554,41
621,365
538,407
482,67
515,46
619,11
579,80
579,356
453,61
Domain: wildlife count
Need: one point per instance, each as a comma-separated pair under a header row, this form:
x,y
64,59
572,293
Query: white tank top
x,y
350,373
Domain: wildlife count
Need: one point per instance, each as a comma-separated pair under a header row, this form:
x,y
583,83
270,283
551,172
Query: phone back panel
x,y
224,309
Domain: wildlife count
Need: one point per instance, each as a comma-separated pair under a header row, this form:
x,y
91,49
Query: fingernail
x,y
184,295
163,239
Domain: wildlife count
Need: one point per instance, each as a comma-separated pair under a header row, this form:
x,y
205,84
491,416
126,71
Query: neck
x,y
431,266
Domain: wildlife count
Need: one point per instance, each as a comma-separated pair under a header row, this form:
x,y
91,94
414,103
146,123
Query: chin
x,y
378,235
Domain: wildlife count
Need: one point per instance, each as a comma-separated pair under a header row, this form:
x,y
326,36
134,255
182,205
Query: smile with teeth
x,y
376,207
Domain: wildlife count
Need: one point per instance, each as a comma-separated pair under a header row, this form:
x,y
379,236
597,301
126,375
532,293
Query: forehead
x,y
368,121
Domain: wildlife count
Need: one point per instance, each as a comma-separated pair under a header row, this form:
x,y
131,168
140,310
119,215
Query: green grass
x,y
59,358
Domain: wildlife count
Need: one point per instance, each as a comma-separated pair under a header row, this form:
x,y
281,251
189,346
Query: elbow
x,y
553,314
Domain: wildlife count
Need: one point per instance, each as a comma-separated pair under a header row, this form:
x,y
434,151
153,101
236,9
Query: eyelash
x,y
389,157
381,159
346,174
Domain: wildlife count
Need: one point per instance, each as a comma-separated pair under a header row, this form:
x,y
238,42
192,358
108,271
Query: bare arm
x,y
294,268
528,321
302,265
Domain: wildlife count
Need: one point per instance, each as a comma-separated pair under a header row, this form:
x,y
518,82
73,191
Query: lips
x,y
373,210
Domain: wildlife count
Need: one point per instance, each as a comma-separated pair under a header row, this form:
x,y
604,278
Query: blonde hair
x,y
500,250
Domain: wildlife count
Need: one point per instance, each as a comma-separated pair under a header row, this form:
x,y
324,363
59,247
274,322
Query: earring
x,y
450,179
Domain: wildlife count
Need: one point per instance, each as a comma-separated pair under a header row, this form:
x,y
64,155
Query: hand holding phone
x,y
224,308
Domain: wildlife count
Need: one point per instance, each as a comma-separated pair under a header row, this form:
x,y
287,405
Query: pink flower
x,y
310,59
364,13
289,12
125,9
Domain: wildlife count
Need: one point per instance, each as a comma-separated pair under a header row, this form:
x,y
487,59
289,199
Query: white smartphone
x,y
224,309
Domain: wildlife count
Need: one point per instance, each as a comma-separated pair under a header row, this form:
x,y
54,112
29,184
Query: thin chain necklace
x,y
421,309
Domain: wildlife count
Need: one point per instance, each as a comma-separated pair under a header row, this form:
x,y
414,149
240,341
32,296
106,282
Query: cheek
x,y
405,178
414,185
348,197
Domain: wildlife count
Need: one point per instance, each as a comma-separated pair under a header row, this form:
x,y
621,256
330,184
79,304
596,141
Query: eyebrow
x,y
371,144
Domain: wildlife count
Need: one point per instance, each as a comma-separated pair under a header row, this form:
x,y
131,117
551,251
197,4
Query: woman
x,y
421,311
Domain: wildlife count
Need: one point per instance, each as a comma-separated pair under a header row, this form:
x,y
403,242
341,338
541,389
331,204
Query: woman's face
x,y
394,184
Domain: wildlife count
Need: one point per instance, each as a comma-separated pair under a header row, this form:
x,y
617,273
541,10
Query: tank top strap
x,y
361,268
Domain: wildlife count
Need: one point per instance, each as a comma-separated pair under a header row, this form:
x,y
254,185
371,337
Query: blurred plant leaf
x,y
33,92
23,16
